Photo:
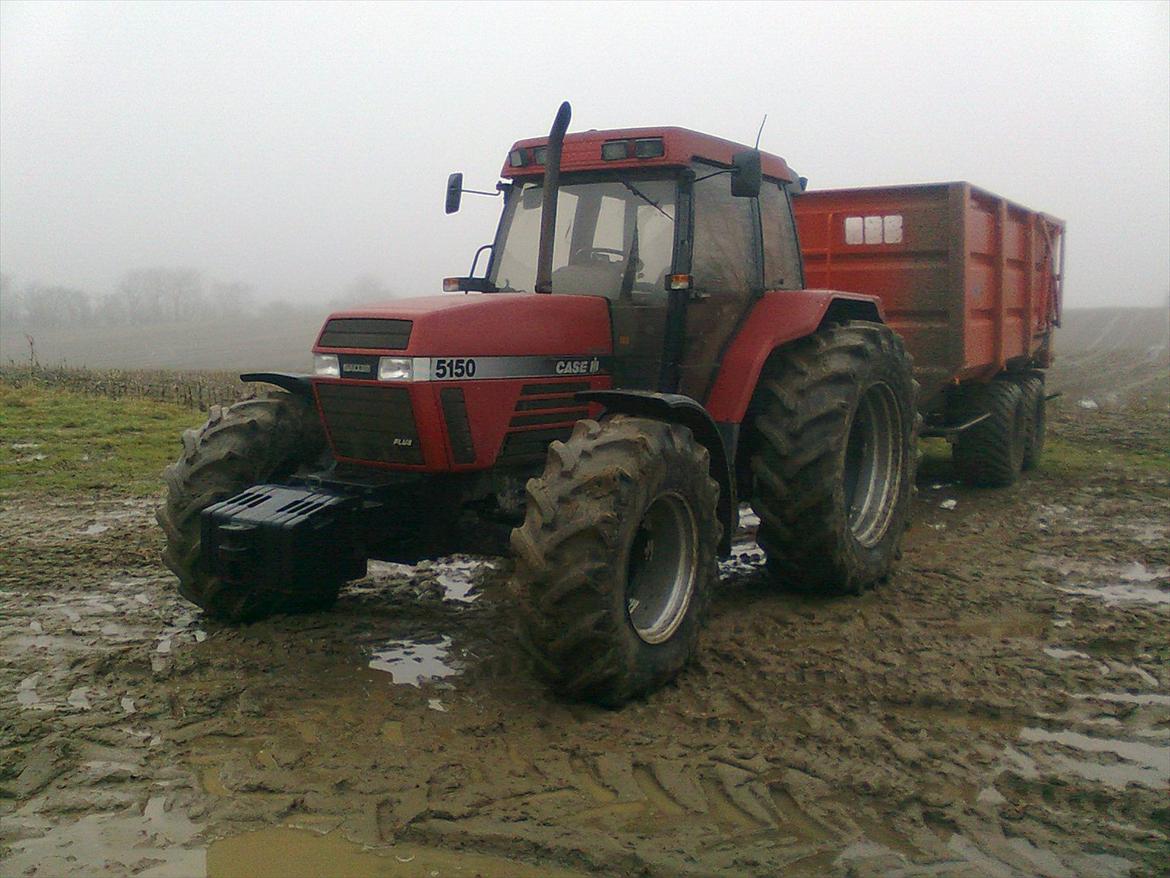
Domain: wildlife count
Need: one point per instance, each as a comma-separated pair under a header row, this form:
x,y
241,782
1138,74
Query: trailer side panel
x,y
970,280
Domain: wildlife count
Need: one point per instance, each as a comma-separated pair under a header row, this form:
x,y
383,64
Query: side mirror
x,y
746,174
454,192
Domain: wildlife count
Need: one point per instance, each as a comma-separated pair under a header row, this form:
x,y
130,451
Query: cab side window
x,y
723,260
781,251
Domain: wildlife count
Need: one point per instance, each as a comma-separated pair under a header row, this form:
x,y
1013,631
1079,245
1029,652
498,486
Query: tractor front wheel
x,y
615,561
252,442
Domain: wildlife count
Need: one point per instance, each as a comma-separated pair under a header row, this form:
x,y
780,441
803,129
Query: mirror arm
x,y
475,261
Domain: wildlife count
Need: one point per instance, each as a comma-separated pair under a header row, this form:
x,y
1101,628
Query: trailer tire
x,y
1035,428
833,458
991,453
600,621
250,443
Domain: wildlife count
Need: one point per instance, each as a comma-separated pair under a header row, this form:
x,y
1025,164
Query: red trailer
x,y
970,280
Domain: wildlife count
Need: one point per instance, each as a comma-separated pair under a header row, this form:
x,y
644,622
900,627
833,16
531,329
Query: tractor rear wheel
x,y
615,561
833,458
1035,427
252,442
991,453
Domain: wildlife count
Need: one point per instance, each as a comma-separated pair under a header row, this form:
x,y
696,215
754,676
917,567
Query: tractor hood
x,y
474,325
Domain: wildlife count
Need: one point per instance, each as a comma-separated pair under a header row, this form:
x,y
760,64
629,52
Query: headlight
x,y
394,369
326,366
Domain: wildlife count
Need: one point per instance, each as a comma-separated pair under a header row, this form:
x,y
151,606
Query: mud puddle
x,y
457,578
149,841
1114,584
413,662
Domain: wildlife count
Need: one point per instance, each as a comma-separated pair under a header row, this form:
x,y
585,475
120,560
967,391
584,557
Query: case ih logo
x,y
578,367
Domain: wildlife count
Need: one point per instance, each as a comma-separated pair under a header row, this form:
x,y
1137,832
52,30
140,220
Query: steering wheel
x,y
597,255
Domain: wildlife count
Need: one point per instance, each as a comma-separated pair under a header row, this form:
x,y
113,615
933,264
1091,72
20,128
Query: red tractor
x,y
639,355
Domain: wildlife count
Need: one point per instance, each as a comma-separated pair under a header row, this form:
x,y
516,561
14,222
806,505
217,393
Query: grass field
x,y
54,440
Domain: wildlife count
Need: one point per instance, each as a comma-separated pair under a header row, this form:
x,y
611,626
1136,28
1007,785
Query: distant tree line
x,y
155,295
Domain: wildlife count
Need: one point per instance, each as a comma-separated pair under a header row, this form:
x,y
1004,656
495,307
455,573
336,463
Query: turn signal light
x,y
679,281
451,285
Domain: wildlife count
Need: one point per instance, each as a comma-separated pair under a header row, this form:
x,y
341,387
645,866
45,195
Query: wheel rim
x,y
874,465
663,562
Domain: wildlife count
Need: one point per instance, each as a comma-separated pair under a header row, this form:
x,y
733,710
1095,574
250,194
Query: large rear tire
x,y
833,458
252,442
991,453
615,561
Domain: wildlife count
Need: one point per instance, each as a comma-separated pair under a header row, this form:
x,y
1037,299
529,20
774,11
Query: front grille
x,y
371,423
367,333
530,446
563,388
545,418
556,411
458,427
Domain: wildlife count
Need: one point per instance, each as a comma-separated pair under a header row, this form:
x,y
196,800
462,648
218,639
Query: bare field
x,y
1001,707
282,340
278,341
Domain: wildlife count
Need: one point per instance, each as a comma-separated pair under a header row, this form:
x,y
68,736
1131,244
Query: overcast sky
x,y
295,147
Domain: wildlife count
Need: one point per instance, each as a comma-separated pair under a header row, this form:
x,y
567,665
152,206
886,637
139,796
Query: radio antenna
x,y
761,131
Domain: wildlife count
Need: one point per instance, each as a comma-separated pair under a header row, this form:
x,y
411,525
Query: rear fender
x,y
675,408
775,320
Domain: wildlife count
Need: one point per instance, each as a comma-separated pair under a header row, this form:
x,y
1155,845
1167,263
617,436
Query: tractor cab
x,y
668,225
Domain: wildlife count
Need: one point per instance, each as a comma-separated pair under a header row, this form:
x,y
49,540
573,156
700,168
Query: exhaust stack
x,y
548,206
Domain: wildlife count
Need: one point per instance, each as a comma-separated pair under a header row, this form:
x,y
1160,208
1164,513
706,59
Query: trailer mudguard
x,y
298,385
776,319
679,409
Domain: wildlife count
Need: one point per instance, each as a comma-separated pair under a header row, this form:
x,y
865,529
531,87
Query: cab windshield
x,y
614,238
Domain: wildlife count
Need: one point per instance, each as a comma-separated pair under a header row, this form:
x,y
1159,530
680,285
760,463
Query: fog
x,y
294,148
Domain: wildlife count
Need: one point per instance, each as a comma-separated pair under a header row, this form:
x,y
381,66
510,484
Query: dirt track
x,y
1001,708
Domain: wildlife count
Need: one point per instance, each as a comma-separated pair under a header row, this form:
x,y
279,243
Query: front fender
x,y
298,385
775,320
676,408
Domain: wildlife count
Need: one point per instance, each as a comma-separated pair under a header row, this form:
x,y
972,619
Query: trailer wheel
x,y
991,453
1035,428
833,458
615,560
251,442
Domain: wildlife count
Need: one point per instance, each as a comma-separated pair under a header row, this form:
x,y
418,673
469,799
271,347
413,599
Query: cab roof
x,y
582,152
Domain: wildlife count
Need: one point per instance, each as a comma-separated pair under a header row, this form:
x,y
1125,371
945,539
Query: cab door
x,y
726,276
639,311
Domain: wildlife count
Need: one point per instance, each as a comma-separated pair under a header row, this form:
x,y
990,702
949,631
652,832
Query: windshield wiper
x,y
646,198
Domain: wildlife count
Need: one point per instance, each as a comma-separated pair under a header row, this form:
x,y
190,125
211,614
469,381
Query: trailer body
x,y
970,280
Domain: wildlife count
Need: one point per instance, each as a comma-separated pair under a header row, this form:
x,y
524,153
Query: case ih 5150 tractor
x,y
640,355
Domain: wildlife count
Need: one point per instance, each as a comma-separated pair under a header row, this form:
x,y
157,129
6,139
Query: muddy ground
x,y
1000,708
